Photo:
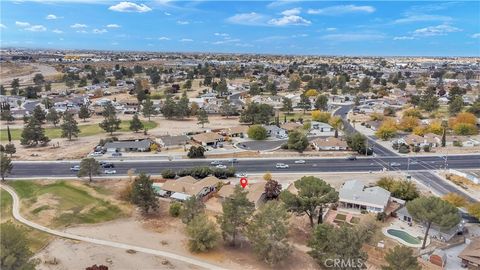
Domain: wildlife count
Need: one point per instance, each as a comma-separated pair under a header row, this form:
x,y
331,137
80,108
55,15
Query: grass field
x,y
36,239
295,115
85,130
73,204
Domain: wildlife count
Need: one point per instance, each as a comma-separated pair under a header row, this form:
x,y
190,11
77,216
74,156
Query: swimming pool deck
x,y
407,229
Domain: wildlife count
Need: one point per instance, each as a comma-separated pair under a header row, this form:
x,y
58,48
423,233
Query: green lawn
x,y
85,130
295,115
75,204
36,239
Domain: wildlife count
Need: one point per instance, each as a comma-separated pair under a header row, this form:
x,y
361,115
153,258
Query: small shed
x,y
438,257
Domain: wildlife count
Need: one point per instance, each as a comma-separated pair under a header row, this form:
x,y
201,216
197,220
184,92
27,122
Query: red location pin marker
x,y
243,182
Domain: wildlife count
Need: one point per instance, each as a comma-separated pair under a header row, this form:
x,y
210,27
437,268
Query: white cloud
x,y
438,30
99,31
186,40
251,18
113,25
163,38
36,28
78,25
81,31
51,17
279,3
130,7
422,18
22,24
289,20
331,29
342,9
403,38
2,25
349,37
183,22
56,31
221,34
226,41
293,11
476,35
167,14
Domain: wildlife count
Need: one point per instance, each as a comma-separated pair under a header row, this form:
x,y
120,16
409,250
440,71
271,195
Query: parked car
x,y
96,154
395,164
107,165
110,171
116,154
220,166
300,161
233,160
281,166
75,168
352,158
216,162
241,174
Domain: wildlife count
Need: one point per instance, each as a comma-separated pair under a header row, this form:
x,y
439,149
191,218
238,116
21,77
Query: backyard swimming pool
x,y
404,236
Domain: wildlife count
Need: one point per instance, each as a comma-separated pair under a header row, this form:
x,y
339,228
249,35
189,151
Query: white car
x,y
96,154
220,166
216,162
75,168
241,174
300,161
110,171
395,164
281,166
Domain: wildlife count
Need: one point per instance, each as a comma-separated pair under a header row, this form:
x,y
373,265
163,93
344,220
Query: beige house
x,y
236,131
208,138
187,186
256,192
329,144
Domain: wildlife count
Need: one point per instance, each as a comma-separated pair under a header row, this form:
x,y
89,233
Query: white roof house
x,y
353,194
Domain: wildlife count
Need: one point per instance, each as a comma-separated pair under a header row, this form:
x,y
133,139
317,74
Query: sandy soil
x,y
24,72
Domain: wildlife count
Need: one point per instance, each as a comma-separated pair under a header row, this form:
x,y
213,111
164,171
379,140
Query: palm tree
x,y
337,123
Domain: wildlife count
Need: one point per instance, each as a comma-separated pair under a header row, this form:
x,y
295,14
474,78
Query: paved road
x,y
20,218
437,184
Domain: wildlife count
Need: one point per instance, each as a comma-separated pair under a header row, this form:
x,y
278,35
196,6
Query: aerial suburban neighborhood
x,y
132,156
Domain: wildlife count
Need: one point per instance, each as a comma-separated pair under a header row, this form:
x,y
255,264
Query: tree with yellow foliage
x,y
408,123
455,199
436,127
387,130
474,209
462,118
420,130
267,176
337,123
320,116
311,93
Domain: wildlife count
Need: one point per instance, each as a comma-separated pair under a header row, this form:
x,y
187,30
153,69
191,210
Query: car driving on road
x,y
220,166
281,166
216,162
241,174
110,171
75,168
352,158
300,161
395,164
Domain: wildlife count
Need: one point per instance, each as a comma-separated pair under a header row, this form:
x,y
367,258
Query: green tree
x,y
287,105
313,196
433,210
39,114
202,233
297,141
148,109
84,113
202,117
53,117
321,103
429,100
305,103
33,133
69,126
38,79
6,115
257,113
357,142
456,105
192,207
237,210
10,149
6,165
15,85
337,123
228,109
329,243
89,167
272,188
187,84
401,258
402,189
169,108
110,123
182,108
143,194
135,123
257,132
196,152
14,251
268,232
222,87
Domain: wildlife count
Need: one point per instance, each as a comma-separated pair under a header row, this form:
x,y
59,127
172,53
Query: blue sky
x,y
281,27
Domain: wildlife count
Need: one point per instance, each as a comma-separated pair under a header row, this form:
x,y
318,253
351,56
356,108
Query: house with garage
x,y
329,144
354,195
275,132
167,141
237,131
320,129
128,146
208,138
256,192
184,187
